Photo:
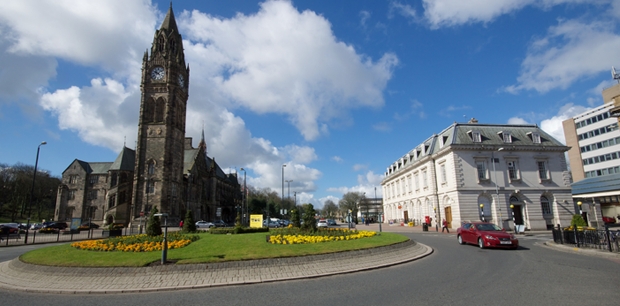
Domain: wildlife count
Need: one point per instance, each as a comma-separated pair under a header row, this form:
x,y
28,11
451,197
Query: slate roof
x,y
459,135
125,161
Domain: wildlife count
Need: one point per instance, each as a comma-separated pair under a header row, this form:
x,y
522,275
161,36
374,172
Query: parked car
x,y
36,226
322,224
220,223
486,235
56,225
8,228
272,224
284,223
204,224
609,220
88,225
332,222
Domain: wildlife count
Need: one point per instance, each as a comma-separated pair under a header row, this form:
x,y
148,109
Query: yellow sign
x,y
256,221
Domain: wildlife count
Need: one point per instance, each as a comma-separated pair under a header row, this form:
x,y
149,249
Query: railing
x,y
34,236
608,239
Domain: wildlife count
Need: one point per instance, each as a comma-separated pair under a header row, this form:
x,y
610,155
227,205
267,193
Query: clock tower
x,y
158,175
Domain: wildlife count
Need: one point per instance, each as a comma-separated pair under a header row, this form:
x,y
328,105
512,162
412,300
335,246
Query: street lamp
x,y
244,199
281,195
378,212
482,212
349,219
288,182
496,188
514,223
436,221
164,243
34,176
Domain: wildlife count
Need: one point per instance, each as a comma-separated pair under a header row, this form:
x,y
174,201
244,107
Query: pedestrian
x,y
181,224
445,226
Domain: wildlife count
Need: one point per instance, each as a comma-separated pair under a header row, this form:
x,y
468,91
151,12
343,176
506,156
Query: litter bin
x,y
424,227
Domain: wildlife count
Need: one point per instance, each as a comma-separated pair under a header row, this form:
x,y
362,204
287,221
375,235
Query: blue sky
x,y
336,90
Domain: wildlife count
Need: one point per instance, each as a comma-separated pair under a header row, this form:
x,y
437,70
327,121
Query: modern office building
x,y
506,174
594,159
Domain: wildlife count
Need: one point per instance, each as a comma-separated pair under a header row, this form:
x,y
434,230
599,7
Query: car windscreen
x,y
487,227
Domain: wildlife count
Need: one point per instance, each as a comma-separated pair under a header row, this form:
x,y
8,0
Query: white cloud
x,y
404,10
366,183
337,159
517,120
282,61
569,52
358,167
553,125
450,13
278,60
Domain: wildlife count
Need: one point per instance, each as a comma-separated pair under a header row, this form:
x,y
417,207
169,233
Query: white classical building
x,y
471,171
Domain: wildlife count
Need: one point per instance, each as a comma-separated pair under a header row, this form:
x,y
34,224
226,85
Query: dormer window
x,y
505,136
475,136
535,137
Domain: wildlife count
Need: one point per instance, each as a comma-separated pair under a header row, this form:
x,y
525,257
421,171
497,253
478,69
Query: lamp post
x,y
436,221
164,243
281,197
34,176
514,223
288,182
244,199
349,219
482,212
378,212
496,188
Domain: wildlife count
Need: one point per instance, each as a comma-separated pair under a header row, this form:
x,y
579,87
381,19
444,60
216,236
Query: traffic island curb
x,y
17,275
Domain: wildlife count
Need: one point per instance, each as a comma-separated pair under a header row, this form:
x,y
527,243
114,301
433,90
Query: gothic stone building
x,y
165,170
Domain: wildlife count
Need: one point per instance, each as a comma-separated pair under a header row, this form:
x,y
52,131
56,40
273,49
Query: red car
x,y
486,235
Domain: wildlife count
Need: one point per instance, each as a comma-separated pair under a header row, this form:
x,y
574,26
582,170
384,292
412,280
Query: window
x,y
506,137
150,187
482,169
114,179
513,173
424,179
122,197
417,182
151,167
536,138
92,195
476,137
73,179
545,206
444,177
93,179
542,170
71,195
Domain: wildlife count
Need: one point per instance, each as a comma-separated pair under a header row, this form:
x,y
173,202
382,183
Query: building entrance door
x,y
448,214
406,215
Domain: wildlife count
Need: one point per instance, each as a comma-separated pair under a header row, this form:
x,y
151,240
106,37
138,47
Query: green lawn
x,y
209,248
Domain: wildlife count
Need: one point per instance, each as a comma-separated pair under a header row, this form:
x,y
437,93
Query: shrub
x,y
578,221
189,225
295,219
153,227
309,221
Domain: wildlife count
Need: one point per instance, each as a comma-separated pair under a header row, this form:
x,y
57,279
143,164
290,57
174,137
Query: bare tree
x,y
330,209
349,202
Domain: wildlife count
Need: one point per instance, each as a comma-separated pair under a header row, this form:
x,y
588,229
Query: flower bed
x,y
323,235
136,243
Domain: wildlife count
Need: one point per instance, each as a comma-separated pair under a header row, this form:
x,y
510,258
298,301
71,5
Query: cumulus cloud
x,y
278,60
553,125
283,61
569,52
365,183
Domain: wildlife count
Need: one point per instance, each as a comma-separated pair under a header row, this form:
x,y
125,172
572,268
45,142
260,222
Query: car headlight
x,y
490,237
512,237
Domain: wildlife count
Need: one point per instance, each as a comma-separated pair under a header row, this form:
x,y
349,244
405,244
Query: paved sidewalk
x,y
16,275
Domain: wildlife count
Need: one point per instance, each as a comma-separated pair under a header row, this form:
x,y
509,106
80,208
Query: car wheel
x,y
481,243
460,239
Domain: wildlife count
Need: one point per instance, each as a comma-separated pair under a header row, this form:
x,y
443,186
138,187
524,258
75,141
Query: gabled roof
x,y
599,184
100,168
125,161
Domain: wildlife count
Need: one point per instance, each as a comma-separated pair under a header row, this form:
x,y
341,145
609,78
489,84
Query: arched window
x,y
149,111
173,46
151,168
545,205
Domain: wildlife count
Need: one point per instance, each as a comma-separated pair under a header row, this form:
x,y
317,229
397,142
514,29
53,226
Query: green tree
x,y
189,225
578,221
295,218
309,220
153,227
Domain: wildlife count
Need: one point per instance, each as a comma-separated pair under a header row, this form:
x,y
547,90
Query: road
x,y
453,275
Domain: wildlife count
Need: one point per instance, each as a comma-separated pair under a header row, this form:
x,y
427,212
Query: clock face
x,y
157,73
181,80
